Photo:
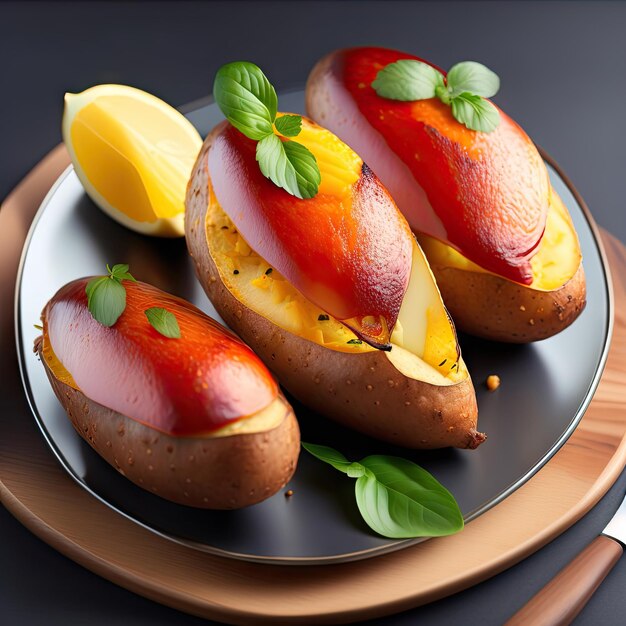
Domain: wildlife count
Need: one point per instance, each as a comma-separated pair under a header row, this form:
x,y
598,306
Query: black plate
x,y
545,390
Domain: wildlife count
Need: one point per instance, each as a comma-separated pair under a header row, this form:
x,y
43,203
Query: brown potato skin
x,y
209,473
493,307
362,391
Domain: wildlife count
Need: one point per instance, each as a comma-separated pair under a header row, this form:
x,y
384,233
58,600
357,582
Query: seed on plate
x,y
492,382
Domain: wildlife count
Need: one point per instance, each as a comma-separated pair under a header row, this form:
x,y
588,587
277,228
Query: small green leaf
x,y
305,165
164,322
475,112
355,470
289,125
407,80
249,102
246,98
328,455
290,165
106,299
474,78
92,284
397,498
120,272
466,82
273,162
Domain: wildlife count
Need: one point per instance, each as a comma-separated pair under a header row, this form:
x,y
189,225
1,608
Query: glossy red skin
x,y
350,257
493,208
184,387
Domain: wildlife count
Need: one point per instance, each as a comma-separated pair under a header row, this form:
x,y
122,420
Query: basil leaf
x,y
91,285
466,82
163,321
249,102
473,77
273,164
399,499
290,165
106,299
355,470
328,455
396,498
120,272
407,80
289,125
246,98
305,165
475,112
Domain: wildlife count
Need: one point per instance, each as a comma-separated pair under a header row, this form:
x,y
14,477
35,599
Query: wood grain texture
x,y
34,487
562,599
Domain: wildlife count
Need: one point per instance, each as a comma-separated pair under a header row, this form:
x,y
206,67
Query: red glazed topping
x,y
349,255
185,387
490,191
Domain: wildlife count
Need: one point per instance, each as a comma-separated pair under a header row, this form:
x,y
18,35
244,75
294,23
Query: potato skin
x,y
362,391
493,307
209,473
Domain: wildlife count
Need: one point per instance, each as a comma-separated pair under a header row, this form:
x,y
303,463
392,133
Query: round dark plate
x,y
545,390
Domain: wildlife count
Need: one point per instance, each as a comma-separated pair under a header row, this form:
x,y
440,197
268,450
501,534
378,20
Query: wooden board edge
x,y
203,607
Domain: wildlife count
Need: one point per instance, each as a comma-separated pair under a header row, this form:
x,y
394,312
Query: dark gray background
x,y
563,74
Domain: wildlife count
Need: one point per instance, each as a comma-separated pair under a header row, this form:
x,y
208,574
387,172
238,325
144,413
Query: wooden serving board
x,y
39,493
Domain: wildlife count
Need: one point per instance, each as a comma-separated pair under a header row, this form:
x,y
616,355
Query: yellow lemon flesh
x,y
133,153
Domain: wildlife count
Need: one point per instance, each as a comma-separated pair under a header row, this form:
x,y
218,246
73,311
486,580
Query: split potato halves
x,y
333,293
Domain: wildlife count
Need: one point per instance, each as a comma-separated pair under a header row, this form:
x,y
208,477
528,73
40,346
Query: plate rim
x,y
393,545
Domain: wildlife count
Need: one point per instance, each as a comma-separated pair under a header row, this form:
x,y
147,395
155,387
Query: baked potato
x,y
497,236
198,420
332,292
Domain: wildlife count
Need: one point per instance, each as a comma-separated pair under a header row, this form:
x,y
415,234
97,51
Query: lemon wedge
x,y
133,153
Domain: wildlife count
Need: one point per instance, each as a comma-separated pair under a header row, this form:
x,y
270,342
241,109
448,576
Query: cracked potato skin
x,y
212,473
362,391
492,307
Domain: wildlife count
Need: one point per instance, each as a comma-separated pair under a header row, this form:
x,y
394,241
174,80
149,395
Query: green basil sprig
x,y
106,301
289,125
465,88
397,498
163,321
249,102
288,165
106,296
246,98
